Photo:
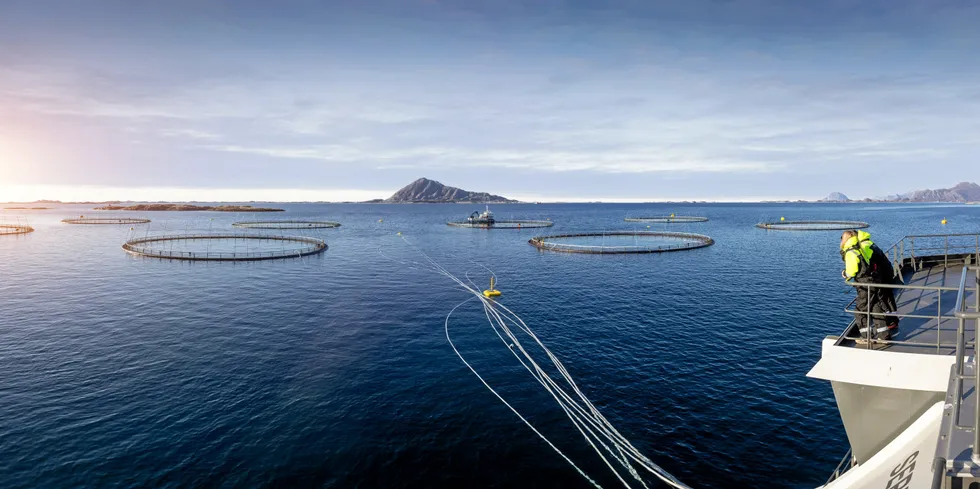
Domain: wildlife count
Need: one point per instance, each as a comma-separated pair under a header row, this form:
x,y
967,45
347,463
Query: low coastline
x,y
187,208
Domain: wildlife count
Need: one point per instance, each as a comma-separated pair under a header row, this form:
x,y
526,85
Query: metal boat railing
x,y
845,464
915,252
948,462
964,315
929,245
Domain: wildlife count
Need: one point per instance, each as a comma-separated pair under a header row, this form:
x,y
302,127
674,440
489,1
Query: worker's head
x,y
846,235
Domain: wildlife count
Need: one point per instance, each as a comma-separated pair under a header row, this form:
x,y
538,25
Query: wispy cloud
x,y
763,93
190,134
542,160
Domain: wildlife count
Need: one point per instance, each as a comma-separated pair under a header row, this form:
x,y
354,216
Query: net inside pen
x,y
287,224
667,219
621,242
812,225
105,220
224,247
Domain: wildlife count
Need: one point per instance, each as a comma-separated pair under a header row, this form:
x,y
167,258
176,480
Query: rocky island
x,y
835,197
186,208
424,190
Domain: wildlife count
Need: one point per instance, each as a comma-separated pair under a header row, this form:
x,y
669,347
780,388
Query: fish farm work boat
x,y
485,220
909,403
482,218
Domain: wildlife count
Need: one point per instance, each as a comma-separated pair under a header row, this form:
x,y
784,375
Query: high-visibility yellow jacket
x,y
857,253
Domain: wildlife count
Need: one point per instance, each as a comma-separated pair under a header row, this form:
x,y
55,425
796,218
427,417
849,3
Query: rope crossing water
x,y
613,448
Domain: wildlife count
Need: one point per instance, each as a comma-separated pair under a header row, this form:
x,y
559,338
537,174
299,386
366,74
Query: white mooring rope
x,y
611,446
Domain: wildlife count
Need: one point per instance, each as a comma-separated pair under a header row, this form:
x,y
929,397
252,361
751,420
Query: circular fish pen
x,y
667,219
224,247
624,242
812,225
496,224
105,220
286,224
6,229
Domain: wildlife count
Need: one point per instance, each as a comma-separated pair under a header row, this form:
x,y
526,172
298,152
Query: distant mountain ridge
x,y
962,192
424,190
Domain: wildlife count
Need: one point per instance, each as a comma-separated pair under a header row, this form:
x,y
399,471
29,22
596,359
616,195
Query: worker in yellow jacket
x,y
865,263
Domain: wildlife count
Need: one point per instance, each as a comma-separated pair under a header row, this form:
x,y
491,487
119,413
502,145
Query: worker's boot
x,y
878,333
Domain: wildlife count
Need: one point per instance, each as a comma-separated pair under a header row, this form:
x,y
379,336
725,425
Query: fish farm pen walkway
x,y
105,220
7,229
144,247
502,224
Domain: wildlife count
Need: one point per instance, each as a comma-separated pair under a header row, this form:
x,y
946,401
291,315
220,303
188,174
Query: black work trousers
x,y
878,301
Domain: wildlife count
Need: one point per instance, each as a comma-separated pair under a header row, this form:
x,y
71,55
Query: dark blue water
x,y
334,370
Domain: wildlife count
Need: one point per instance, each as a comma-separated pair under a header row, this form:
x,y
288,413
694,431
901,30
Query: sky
x,y
548,100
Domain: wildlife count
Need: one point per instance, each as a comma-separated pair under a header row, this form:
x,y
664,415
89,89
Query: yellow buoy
x,y
381,220
944,221
491,292
399,233
672,214
782,218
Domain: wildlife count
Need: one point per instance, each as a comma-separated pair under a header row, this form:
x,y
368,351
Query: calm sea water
x,y
334,370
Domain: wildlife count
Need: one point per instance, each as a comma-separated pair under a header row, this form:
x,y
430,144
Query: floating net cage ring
x,y
143,247
686,241
812,225
286,224
667,219
15,229
105,220
503,224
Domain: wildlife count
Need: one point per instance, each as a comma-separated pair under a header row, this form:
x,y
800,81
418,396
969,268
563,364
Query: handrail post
x,y
867,304
912,253
896,264
938,473
939,324
960,347
976,383
946,252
